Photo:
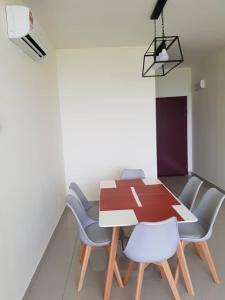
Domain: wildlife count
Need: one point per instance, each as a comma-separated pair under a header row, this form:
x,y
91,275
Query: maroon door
x,y
171,127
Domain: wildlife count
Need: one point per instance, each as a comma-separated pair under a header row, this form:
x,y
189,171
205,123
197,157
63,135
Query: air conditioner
x,y
24,31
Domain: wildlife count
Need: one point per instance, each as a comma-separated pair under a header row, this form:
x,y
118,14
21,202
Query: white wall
x,y
31,163
178,83
108,114
209,119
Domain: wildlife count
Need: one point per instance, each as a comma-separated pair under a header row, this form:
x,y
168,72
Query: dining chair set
x,y
149,242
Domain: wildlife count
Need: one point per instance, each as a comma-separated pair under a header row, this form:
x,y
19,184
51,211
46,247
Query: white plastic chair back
x,y
129,174
78,192
189,194
208,209
81,217
153,242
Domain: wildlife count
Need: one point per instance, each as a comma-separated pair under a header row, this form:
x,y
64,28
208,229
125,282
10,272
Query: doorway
x,y
171,129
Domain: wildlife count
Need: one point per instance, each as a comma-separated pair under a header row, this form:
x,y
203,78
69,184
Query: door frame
x,y
189,128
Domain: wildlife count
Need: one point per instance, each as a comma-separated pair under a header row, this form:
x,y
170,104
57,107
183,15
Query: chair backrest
x,y
78,192
190,191
83,220
208,208
132,174
153,242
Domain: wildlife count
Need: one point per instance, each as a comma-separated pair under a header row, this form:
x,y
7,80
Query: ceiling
x,y
103,23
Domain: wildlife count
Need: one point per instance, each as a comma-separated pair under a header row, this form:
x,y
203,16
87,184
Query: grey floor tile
x,y
48,282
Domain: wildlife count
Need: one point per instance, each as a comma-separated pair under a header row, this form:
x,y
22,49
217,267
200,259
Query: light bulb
x,y
163,56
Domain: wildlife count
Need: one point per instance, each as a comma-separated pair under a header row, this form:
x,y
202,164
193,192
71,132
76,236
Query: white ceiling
x,y
103,23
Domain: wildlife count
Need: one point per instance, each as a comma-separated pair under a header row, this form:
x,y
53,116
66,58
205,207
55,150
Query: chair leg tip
x,y
79,288
217,281
191,293
124,282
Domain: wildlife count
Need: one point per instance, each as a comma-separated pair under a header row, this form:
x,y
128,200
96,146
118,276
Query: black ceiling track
x,y
158,9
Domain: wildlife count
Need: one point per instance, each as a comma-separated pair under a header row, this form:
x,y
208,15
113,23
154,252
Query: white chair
x,y
190,191
91,207
129,174
91,235
199,232
153,243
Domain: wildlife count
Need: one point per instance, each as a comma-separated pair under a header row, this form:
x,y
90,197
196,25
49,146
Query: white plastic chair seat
x,y
191,231
99,235
93,211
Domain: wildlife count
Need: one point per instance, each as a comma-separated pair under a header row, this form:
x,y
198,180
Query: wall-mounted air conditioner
x,y
24,31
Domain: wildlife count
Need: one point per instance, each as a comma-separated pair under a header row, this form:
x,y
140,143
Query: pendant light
x,y
164,52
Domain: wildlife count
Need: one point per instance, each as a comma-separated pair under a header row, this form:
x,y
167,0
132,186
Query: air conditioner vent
x,y
33,45
25,31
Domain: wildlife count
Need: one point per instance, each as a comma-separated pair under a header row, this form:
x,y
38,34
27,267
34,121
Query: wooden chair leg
x,y
116,270
198,250
128,272
169,276
84,267
177,272
139,281
210,262
184,269
82,250
161,270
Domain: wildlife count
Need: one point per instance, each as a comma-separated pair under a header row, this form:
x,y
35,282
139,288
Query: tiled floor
x,y
57,274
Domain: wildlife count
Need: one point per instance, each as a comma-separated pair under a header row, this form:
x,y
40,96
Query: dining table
x,y
128,202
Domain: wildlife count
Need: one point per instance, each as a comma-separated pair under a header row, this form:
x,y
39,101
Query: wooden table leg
x,y
116,270
111,262
184,269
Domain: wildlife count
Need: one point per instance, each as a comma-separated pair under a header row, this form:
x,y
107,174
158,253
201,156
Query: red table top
x,y
155,202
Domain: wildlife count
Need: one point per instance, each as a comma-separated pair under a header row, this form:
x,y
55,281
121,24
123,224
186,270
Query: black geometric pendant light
x,y
164,52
